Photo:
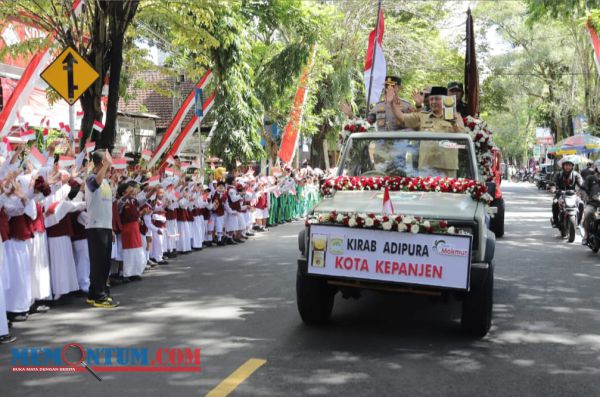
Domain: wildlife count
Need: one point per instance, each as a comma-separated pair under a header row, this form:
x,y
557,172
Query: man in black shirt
x,y
588,171
567,179
592,187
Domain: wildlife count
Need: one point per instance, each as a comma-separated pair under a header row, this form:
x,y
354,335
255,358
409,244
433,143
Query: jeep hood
x,y
432,205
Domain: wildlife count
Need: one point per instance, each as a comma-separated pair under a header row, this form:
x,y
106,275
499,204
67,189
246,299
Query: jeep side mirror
x,y
491,187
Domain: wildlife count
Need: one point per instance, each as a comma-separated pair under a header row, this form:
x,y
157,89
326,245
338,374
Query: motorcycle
x,y
540,181
594,231
568,215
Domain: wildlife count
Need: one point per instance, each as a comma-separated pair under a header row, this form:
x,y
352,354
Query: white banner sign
x,y
426,259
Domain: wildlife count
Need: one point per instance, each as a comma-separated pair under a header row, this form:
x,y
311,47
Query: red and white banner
x,y
28,80
190,127
175,126
595,44
407,258
36,158
291,133
375,56
154,181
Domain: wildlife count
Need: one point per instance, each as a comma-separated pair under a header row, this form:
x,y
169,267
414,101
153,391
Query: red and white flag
x,y
119,164
170,160
36,158
595,43
154,180
375,56
388,208
184,166
146,154
89,147
28,135
98,126
79,114
169,171
66,161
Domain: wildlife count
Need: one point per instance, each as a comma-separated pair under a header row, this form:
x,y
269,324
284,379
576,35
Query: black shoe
x,y
163,262
79,294
237,240
250,234
38,309
114,280
8,338
135,278
152,260
231,241
257,228
221,243
18,317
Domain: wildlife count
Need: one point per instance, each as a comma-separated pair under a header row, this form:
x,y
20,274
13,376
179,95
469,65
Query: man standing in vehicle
x,y
567,179
383,111
591,186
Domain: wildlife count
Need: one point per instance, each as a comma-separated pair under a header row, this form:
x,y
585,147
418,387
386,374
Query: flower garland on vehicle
x,y
397,223
354,125
484,145
477,190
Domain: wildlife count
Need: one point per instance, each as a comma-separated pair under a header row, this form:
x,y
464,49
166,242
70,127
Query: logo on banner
x,y
444,248
336,245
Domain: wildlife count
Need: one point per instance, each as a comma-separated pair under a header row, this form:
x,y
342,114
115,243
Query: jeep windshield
x,y
409,157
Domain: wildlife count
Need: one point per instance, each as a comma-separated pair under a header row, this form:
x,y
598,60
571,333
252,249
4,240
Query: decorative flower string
x,y
397,223
484,146
477,190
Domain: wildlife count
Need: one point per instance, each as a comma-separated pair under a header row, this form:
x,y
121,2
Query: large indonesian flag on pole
x,y
375,66
595,43
291,133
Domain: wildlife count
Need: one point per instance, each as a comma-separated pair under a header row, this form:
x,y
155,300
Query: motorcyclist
x,y
567,179
591,186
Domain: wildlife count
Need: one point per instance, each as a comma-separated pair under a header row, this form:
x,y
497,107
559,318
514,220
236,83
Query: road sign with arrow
x,y
70,75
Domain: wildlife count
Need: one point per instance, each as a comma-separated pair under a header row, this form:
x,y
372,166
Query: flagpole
x,y
374,57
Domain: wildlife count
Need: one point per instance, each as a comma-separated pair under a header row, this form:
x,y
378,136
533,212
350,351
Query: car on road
x,y
434,241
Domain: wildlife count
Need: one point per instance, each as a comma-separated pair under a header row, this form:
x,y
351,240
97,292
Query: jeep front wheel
x,y
314,298
477,306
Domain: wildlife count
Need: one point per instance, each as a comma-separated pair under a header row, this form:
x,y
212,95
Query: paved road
x,y
238,303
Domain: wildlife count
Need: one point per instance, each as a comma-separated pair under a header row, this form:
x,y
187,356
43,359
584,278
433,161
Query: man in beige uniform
x,y
431,154
382,111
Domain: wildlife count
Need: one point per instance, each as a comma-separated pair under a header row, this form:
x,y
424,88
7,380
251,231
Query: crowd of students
x,y
155,217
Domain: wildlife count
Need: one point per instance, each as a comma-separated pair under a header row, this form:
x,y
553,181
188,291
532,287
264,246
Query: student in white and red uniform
x,y
198,224
59,228
219,198
5,335
158,220
233,208
184,243
262,207
41,287
171,217
20,211
134,257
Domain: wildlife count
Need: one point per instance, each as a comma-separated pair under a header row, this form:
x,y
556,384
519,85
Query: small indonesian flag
x,y
89,147
66,161
170,160
80,134
388,208
185,166
169,171
79,114
63,127
146,155
36,158
45,133
28,135
98,126
119,164
17,140
154,181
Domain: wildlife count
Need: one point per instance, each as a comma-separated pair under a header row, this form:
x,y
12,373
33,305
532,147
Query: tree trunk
x,y
107,140
317,157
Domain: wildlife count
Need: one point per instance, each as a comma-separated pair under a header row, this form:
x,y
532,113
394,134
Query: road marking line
x,y
230,383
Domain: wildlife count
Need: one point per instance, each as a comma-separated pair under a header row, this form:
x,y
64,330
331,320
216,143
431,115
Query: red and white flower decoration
x,y
397,223
484,145
477,190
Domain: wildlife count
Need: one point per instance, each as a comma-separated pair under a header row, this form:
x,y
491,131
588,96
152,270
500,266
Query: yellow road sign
x,y
70,75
